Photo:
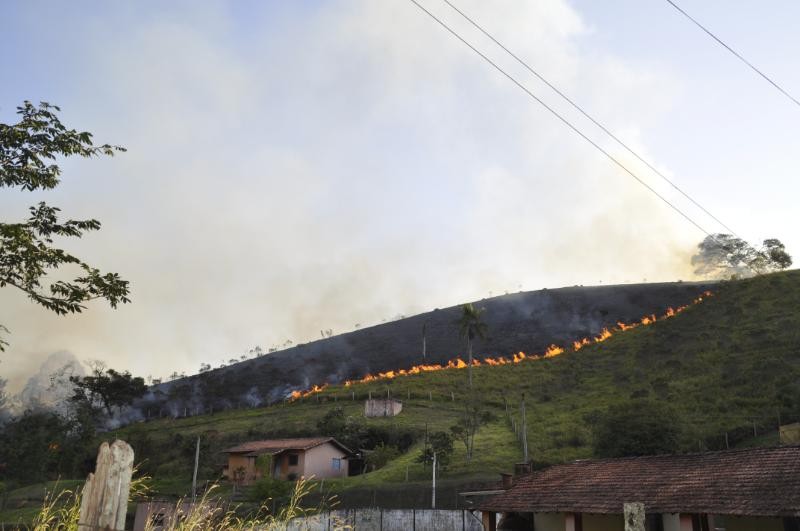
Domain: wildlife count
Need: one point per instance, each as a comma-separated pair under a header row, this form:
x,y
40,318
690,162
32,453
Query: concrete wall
x,y
381,407
318,462
389,520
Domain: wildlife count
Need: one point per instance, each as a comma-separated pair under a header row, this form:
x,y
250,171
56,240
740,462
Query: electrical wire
x,y
589,140
588,116
735,53
564,120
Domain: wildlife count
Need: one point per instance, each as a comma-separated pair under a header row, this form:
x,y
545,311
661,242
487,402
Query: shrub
x,y
380,456
639,427
269,488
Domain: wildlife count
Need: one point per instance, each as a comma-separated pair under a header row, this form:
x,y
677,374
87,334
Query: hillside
x,y
526,321
728,365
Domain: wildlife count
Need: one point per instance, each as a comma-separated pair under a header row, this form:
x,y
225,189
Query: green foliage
x,y
441,444
475,415
726,256
37,446
639,427
27,254
264,465
380,456
350,430
269,488
354,432
109,389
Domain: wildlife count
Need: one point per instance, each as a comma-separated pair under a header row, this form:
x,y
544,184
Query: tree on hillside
x,y
107,389
28,151
774,256
725,256
474,416
470,327
439,443
638,427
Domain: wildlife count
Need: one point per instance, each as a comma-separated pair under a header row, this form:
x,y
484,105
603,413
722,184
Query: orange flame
x,y
552,351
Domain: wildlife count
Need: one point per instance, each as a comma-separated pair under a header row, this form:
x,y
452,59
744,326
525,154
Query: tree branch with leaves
x,y
29,150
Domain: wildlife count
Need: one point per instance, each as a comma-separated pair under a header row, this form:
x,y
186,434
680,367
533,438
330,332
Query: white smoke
x,y
49,387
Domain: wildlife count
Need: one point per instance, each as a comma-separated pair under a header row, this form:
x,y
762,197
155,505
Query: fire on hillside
x,y
552,351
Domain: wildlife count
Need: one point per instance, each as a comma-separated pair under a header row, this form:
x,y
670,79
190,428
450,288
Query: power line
x,y
735,53
563,120
587,115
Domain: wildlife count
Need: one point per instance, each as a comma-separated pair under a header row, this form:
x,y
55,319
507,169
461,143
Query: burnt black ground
x,y
527,322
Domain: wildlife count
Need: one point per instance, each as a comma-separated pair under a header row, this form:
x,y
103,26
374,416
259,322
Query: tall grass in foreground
x,y
206,514
61,512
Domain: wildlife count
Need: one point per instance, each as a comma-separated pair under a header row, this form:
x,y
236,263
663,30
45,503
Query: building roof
x,y
751,482
276,446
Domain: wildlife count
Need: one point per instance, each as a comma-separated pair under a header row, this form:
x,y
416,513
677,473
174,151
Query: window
x,y
336,463
292,459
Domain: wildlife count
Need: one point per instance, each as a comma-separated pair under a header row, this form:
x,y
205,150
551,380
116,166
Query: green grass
x,y
22,504
722,364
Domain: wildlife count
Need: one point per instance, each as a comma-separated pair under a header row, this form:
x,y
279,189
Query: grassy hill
x,y
525,321
728,365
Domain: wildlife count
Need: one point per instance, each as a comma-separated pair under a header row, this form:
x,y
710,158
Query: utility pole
x,y
524,432
194,475
433,490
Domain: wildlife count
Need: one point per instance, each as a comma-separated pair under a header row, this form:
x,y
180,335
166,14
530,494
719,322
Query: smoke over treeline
x,y
271,191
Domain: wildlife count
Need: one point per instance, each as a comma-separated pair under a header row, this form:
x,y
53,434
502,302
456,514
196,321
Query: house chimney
x,y
521,469
508,480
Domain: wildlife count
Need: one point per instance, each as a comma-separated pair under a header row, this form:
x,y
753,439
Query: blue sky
x,y
297,166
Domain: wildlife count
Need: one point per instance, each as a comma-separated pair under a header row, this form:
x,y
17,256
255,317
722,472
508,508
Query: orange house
x,y
290,459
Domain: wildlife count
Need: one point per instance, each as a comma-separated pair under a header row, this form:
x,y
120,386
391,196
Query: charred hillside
x,y
522,322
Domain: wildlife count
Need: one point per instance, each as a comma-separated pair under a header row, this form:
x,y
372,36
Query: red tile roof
x,y
752,482
274,446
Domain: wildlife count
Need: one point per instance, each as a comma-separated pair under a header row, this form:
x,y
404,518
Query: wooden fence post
x,y
104,500
634,516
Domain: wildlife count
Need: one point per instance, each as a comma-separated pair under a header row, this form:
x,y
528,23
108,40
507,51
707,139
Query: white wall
x,y
318,462
389,520
549,522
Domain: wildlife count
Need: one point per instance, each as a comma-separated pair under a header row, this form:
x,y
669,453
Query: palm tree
x,y
470,326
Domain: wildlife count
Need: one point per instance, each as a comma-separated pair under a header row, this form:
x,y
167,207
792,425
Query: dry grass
x,y
61,512
207,514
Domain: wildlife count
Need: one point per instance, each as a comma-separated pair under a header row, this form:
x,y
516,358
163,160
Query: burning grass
x,y
721,364
552,351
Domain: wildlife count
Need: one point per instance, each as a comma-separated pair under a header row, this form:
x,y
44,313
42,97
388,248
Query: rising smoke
x,y
286,190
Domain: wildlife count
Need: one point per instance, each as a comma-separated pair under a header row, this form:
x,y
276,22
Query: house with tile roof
x,y
755,489
289,459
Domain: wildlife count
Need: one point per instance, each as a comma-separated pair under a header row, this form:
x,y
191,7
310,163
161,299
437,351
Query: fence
x,y
389,520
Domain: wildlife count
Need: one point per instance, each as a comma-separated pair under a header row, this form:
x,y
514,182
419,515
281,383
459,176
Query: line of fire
x,y
551,352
